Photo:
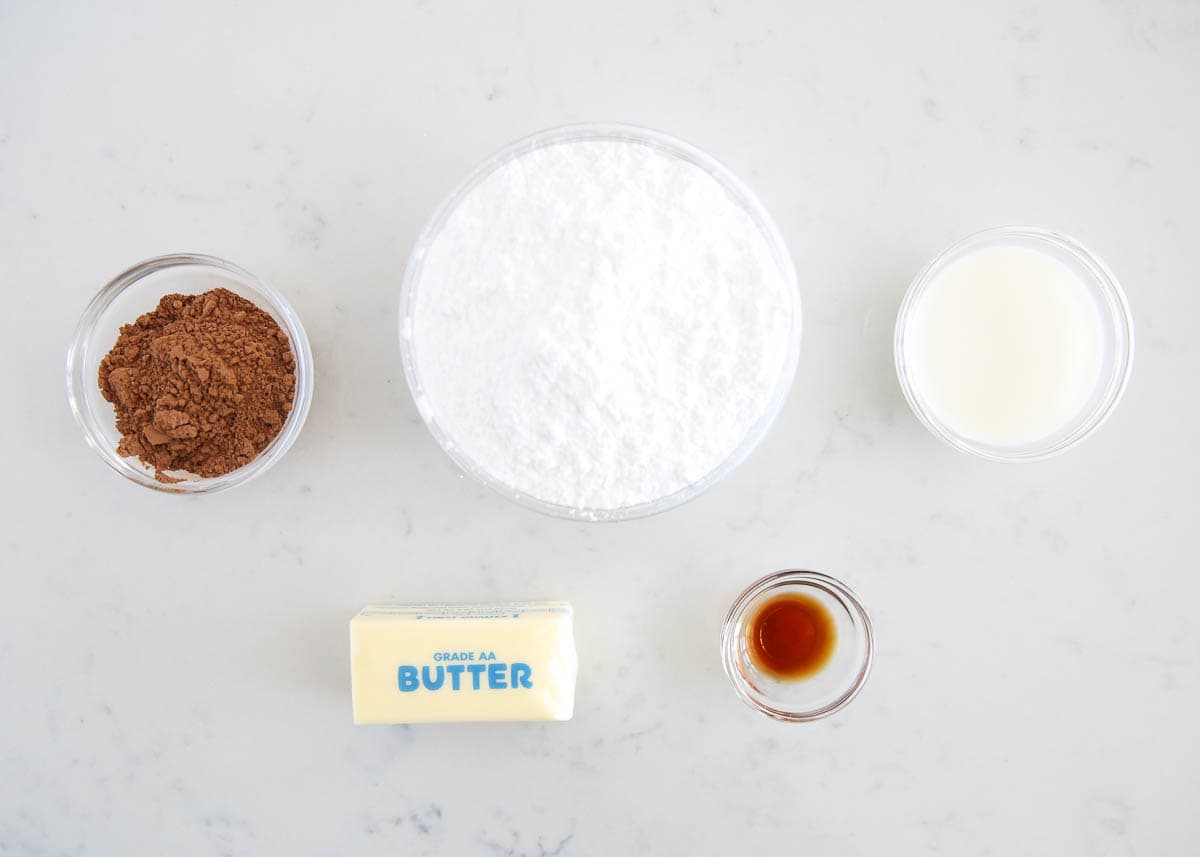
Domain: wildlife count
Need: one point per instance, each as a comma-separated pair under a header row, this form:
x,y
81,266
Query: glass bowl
x,y
837,682
1116,340
138,291
576,133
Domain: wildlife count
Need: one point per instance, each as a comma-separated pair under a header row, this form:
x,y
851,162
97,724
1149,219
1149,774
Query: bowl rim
x,y
612,131
826,583
89,421
1100,279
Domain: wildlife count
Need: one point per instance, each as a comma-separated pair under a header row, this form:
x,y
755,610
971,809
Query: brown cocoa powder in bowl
x,y
202,384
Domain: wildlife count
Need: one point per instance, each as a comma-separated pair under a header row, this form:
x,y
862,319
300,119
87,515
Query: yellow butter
x,y
427,663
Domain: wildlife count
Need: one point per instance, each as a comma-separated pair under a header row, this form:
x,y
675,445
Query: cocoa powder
x,y
201,385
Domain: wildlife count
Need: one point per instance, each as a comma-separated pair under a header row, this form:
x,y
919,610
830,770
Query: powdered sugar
x,y
599,324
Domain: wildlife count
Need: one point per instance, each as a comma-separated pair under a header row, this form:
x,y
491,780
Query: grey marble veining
x,y
173,671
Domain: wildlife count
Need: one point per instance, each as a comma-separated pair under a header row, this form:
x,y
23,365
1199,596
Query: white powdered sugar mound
x,y
599,324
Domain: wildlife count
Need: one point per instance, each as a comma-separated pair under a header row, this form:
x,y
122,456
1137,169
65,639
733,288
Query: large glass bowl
x,y
591,132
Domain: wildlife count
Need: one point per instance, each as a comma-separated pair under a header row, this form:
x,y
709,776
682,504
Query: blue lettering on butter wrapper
x,y
408,678
430,681
499,676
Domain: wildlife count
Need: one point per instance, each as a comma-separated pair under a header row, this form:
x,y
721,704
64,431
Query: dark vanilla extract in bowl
x,y
791,636
797,645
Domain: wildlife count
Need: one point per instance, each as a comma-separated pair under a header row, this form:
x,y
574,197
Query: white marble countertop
x,y
174,671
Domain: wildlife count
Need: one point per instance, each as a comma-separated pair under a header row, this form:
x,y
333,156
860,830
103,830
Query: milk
x,y
1004,345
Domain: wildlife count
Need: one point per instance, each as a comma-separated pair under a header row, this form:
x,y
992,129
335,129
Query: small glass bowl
x,y
576,133
819,695
1116,338
138,291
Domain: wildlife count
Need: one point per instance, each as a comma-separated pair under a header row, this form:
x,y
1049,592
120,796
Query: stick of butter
x,y
429,663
